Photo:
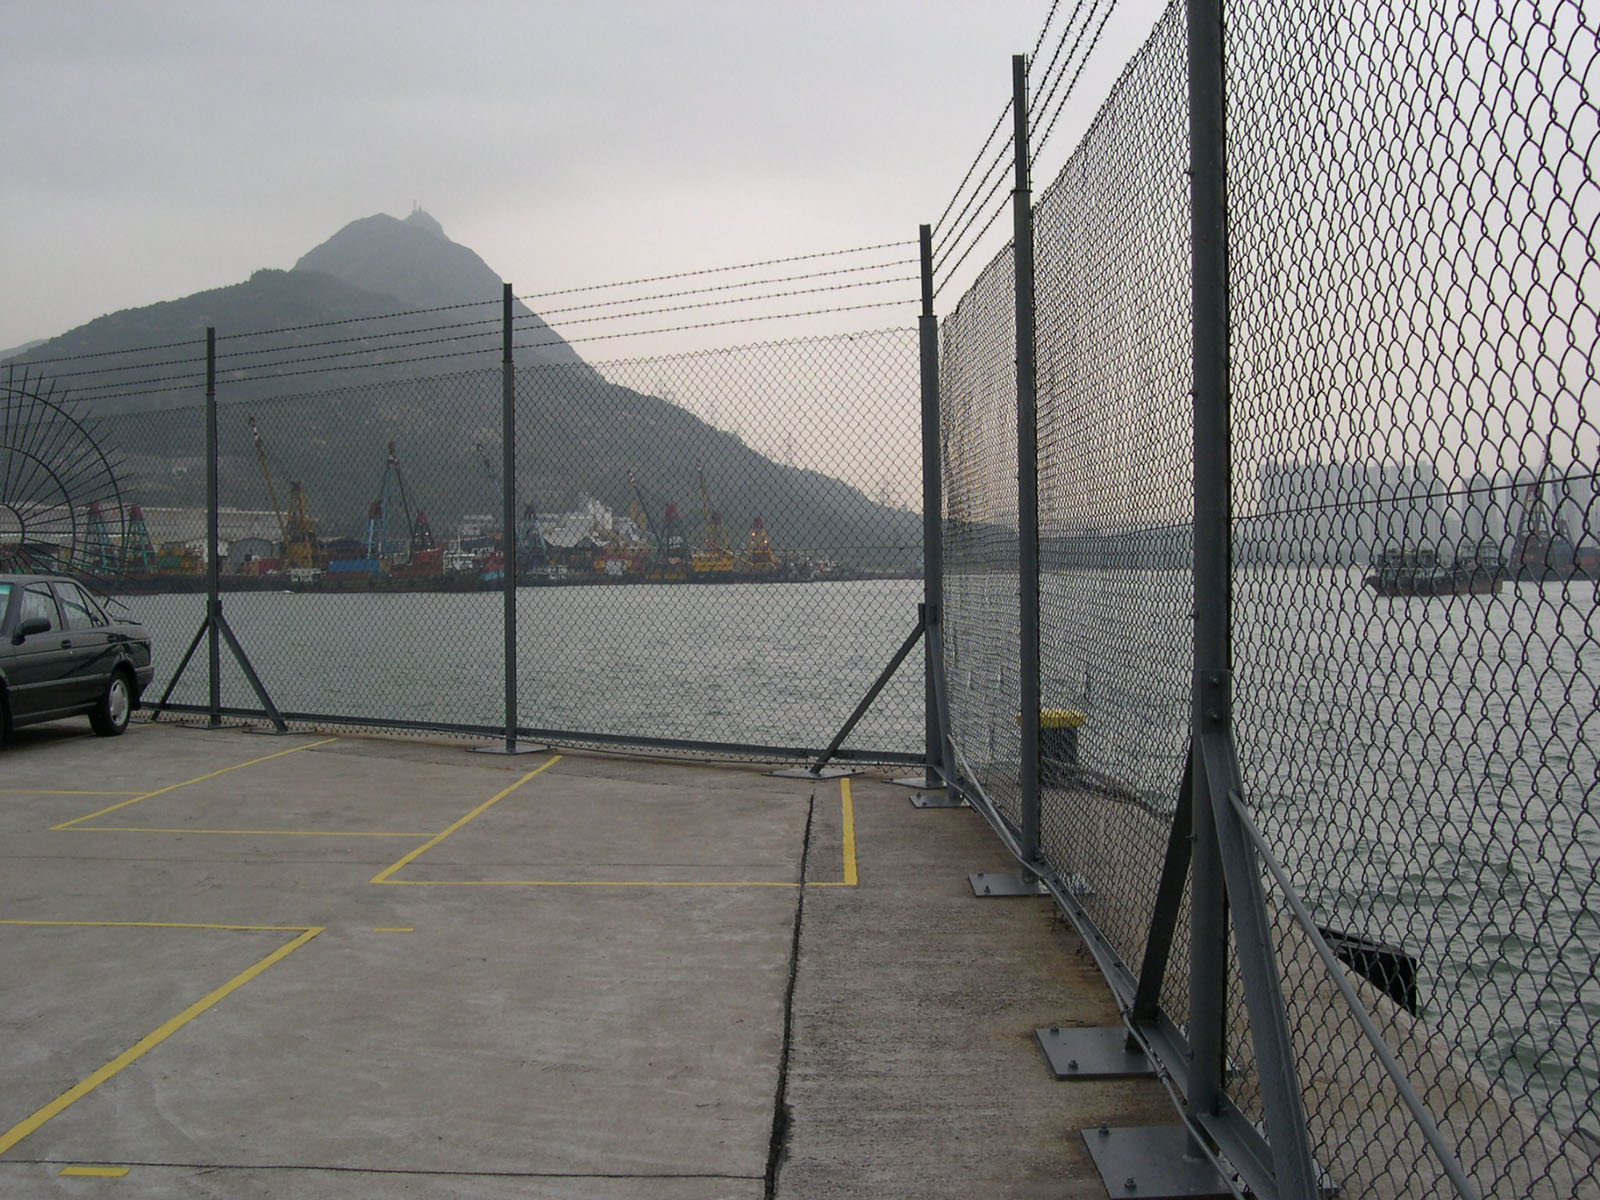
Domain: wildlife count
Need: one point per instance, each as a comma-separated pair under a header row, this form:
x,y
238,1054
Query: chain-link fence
x,y
1414,207
1416,554
715,552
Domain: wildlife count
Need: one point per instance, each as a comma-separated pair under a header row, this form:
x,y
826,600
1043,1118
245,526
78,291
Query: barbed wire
x,y
20,360
1045,28
550,312
135,388
1044,138
648,312
982,150
971,245
770,262
1046,81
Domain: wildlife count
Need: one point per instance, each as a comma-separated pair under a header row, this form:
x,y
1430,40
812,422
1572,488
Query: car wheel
x,y
110,715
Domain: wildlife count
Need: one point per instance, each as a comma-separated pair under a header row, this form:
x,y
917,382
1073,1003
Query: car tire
x,y
115,706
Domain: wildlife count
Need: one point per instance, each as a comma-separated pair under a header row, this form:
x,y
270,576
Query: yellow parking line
x,y
851,875
151,1040
96,1172
383,875
58,792
342,833
847,811
162,925
577,883
188,782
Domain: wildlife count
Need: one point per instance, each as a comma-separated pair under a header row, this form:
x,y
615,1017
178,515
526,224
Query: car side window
x,y
80,611
38,602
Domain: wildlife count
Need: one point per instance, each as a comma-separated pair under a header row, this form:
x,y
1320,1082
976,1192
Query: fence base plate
x,y
1157,1162
1092,1054
808,773
514,748
1011,883
938,799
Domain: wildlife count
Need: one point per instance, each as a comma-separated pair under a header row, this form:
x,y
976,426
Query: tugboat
x,y
1478,570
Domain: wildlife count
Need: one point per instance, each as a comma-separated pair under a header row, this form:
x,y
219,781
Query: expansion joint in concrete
x,y
778,1146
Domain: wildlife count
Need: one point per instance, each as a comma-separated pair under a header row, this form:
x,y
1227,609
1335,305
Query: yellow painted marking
x,y
383,875
342,833
394,929
163,925
96,1172
189,782
150,1041
691,883
58,792
851,873
848,813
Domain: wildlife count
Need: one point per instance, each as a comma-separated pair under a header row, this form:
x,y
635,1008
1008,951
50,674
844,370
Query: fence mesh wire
x,y
982,639
721,548
1413,228
1414,204
1116,490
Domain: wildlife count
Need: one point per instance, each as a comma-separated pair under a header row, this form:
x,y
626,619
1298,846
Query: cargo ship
x,y
1477,570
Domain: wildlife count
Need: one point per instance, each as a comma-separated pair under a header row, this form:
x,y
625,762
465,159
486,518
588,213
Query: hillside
x,y
579,436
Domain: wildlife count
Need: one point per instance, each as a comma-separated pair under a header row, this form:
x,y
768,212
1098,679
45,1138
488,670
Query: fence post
x,y
508,530
932,520
213,567
1027,464
1225,877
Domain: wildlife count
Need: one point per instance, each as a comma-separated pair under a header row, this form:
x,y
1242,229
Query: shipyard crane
x,y
272,491
1543,545
715,558
378,517
297,532
650,526
531,547
302,548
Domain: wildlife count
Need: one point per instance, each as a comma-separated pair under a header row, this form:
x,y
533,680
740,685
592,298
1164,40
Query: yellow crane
x,y
714,558
266,471
297,533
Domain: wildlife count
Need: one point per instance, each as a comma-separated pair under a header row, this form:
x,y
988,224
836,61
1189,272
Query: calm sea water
x,y
1426,767
771,664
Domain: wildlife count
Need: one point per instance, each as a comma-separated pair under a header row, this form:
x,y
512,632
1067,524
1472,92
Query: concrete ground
x,y
303,966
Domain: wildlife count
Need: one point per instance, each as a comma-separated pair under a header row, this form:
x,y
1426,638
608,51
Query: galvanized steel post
x,y
1208,957
213,567
932,511
1027,464
508,514
1224,874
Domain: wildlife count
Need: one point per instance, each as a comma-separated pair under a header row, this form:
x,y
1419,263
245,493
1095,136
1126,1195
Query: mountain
x,y
413,261
385,279
428,380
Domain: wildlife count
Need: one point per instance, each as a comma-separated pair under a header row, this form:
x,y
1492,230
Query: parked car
x,y
63,655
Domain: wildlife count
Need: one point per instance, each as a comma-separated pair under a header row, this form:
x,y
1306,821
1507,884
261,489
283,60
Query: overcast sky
x,y
158,148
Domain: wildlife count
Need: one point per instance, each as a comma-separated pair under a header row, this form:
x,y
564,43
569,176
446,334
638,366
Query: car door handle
x,y
66,643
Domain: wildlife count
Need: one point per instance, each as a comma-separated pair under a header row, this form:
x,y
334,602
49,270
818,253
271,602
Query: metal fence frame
x,y
1222,889
215,644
